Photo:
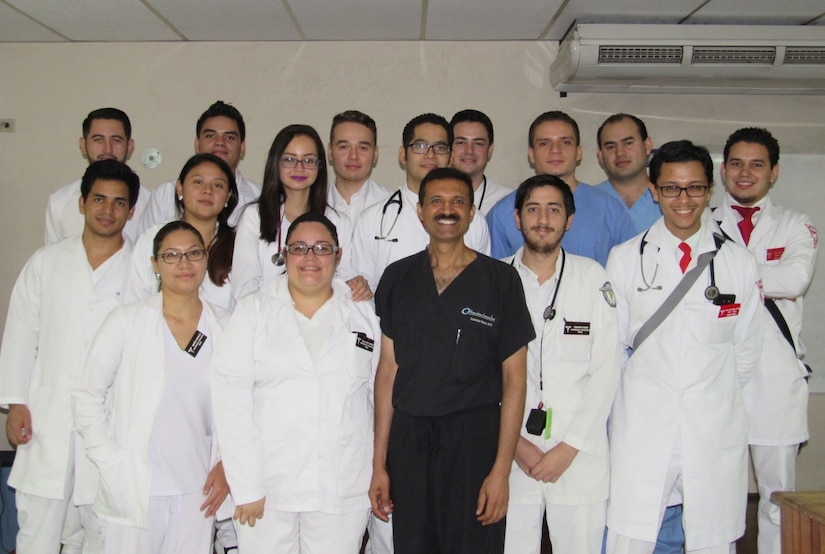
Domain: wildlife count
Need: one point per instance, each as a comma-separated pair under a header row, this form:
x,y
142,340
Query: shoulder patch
x,y
812,230
607,291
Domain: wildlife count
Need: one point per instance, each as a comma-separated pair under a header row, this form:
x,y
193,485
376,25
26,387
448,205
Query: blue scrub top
x,y
644,212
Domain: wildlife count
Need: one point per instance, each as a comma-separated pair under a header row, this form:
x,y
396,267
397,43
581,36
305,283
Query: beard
x,y
540,247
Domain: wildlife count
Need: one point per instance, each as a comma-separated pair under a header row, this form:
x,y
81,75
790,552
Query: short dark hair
x,y
680,151
431,118
354,116
316,218
616,118
108,113
445,174
272,191
171,227
554,115
110,170
472,116
754,135
222,109
543,180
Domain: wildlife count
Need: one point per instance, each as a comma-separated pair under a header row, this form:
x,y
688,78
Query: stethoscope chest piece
x,y
278,259
712,293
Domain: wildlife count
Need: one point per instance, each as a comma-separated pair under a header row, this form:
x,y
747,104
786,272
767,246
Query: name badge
x,y
195,344
775,253
364,342
729,310
576,327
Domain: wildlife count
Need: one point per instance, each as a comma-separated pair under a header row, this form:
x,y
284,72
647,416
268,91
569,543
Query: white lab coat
x,y
252,265
784,243
370,193
115,401
54,312
64,220
161,208
371,255
685,380
580,374
141,281
298,433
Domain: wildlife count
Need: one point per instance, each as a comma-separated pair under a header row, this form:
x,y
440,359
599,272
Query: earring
x,y
180,197
157,276
226,205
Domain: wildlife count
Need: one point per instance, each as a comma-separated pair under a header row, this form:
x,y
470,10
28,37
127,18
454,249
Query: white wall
x,y
49,88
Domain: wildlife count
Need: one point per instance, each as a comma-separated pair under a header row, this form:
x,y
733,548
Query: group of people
x,y
204,365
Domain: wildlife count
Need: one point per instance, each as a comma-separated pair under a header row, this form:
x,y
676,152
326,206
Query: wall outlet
x,y
6,125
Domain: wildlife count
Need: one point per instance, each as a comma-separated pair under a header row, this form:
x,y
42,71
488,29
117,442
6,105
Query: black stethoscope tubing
x,y
395,198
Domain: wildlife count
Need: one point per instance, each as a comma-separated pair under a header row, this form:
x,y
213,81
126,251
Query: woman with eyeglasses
x,y
295,183
206,195
143,407
292,390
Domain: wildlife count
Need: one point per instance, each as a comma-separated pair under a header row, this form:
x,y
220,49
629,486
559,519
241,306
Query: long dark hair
x,y
222,246
273,194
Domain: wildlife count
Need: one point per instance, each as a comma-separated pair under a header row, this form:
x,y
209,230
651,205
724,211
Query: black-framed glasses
x,y
289,162
440,148
319,249
175,258
672,191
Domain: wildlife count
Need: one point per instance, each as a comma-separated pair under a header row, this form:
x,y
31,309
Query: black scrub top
x,y
450,347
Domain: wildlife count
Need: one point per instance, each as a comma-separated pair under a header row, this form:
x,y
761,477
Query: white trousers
x,y
303,533
577,529
620,544
176,526
774,468
380,541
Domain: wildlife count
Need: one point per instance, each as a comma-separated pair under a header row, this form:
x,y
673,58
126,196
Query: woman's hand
x,y
215,489
248,514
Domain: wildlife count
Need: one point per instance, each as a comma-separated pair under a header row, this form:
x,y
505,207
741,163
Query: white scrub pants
x,y
774,468
176,526
577,529
303,533
380,541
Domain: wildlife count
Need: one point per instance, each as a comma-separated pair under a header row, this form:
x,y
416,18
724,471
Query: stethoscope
x,y
550,311
279,259
711,291
395,198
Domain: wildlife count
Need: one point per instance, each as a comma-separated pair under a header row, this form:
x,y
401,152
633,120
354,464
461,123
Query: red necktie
x,y
685,261
746,225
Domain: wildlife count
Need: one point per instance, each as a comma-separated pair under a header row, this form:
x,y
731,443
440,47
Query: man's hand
x,y
215,489
359,288
493,497
380,494
554,463
19,424
248,514
527,455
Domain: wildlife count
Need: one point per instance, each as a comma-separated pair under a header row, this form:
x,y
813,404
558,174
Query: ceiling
x,y
368,20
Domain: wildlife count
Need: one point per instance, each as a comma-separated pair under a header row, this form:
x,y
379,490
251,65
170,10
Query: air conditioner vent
x,y
640,54
725,54
810,55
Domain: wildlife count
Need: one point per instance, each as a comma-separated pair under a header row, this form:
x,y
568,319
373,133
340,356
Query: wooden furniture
x,y
803,521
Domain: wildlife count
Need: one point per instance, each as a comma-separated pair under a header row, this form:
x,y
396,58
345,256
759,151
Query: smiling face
x,y
472,148
106,209
186,276
418,165
554,151
311,274
622,152
205,191
543,220
447,210
220,136
352,152
748,174
299,178
683,214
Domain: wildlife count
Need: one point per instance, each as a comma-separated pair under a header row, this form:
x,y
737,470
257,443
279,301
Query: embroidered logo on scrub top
x,y
479,317
607,291
363,341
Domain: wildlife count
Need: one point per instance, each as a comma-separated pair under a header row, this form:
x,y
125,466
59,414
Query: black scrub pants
x,y
436,467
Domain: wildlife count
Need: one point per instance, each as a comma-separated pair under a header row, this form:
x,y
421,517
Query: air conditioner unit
x,y
676,59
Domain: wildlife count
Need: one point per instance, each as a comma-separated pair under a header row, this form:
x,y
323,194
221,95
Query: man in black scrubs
x,y
449,393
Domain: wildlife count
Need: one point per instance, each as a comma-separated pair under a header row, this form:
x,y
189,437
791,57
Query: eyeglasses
x,y
672,191
288,162
319,249
176,257
422,148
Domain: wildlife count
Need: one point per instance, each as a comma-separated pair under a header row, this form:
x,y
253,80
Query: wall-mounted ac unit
x,y
677,59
